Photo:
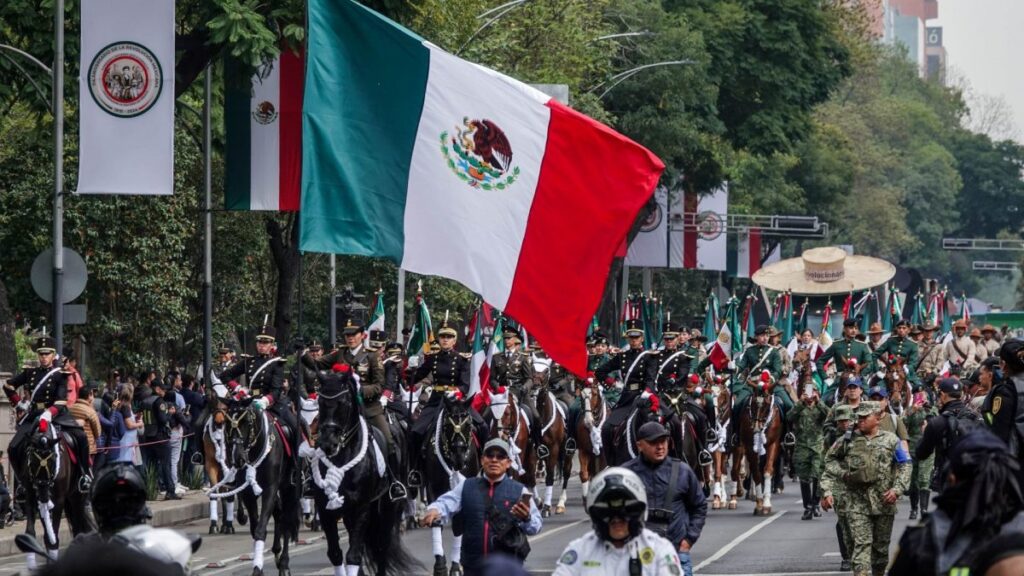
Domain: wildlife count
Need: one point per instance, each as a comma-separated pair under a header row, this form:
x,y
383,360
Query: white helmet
x,y
617,492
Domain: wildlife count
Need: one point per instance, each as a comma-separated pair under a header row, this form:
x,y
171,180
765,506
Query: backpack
x,y
861,464
960,423
151,426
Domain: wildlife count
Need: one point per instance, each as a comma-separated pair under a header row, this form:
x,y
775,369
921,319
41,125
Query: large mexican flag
x,y
454,170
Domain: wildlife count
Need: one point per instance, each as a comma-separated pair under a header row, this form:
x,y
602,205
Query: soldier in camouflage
x,y
921,409
875,470
806,421
843,416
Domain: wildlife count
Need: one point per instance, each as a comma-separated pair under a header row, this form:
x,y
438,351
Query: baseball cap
x,y
652,431
878,391
950,386
496,443
843,412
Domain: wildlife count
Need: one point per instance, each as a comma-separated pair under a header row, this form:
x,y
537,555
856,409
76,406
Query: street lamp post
x,y
627,74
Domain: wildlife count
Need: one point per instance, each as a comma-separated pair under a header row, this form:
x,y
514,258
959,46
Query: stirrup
x,y
704,458
570,446
397,491
789,440
710,436
415,479
85,484
542,451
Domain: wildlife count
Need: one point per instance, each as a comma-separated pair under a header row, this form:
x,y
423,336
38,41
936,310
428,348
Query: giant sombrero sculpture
x,y
821,271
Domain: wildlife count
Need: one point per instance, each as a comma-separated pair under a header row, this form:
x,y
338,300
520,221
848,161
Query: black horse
x,y
48,481
452,453
258,452
352,485
649,409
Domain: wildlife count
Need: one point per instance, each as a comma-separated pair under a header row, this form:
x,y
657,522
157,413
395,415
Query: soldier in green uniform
x,y
876,471
513,369
901,345
807,421
921,409
847,352
842,414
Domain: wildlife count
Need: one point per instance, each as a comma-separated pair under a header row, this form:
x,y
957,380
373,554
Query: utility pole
x,y
58,173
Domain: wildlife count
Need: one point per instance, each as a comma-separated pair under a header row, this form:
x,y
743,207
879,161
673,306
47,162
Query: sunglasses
x,y
496,456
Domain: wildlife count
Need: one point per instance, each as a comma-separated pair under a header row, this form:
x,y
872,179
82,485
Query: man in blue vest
x,y
484,501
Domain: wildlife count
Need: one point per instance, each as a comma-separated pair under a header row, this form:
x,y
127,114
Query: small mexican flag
x,y
422,329
406,147
377,322
264,135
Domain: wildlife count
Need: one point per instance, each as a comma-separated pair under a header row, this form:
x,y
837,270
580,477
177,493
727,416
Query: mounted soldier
x,y
46,389
264,373
959,351
930,352
513,369
638,367
674,363
845,350
989,340
902,346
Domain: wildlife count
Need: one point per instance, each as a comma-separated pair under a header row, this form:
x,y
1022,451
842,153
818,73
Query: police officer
x,y
1006,398
638,367
156,418
449,373
901,345
46,386
876,471
264,373
941,432
677,508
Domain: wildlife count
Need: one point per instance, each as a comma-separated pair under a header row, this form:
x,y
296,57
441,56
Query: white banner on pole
x,y
126,95
650,246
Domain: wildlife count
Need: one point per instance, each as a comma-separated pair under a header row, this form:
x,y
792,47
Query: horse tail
x,y
384,541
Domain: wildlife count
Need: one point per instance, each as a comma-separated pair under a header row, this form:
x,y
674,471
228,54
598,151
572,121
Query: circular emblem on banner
x,y
650,224
265,113
125,79
710,225
480,154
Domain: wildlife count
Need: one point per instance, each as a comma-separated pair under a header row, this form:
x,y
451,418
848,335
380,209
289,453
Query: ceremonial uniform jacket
x,y
757,358
673,365
511,369
264,373
903,347
641,377
842,351
394,376
45,387
931,358
367,364
594,361
961,351
448,369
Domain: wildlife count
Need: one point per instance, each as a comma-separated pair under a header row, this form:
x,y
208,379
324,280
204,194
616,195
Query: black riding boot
x,y
925,495
816,497
397,490
843,552
805,495
915,497
415,477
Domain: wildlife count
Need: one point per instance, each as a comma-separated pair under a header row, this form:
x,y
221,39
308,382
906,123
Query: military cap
x,y
600,338
867,408
670,329
510,332
352,326
634,327
315,345
378,336
266,334
843,412
394,347
762,329
850,322
45,345
225,349
447,329
902,322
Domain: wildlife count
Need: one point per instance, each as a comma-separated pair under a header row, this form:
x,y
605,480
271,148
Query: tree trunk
x,y
8,352
284,248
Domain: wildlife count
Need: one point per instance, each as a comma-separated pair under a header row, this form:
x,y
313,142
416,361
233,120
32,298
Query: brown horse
x,y
213,440
721,399
510,424
760,426
896,383
552,423
590,452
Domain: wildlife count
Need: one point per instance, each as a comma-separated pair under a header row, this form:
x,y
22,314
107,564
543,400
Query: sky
x,y
984,40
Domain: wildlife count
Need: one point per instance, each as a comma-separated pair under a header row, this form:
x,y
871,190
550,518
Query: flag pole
x,y
207,229
332,321
400,321
58,162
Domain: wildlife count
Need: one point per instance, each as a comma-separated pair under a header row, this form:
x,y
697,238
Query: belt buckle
x,y
257,393
40,405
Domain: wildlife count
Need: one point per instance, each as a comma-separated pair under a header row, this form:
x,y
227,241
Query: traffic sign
x,y
75,275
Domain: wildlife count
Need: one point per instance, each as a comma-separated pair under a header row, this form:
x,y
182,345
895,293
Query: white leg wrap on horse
x,y
53,554
768,491
340,571
214,510
229,512
562,497
586,488
436,541
457,549
30,561
547,495
352,570
257,552
307,506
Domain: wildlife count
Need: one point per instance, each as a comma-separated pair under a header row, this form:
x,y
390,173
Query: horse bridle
x,y
234,423
461,428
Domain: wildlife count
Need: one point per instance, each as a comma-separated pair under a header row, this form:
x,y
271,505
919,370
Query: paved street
x,y
734,542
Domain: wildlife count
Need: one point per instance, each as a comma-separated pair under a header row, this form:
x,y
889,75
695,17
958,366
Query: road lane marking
x,y
292,552
543,535
725,549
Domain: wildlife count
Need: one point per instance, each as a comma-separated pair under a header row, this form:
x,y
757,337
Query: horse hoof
x,y
559,509
314,526
227,528
716,505
732,504
456,569
284,572
213,528
257,571
766,511
440,566
545,511
241,517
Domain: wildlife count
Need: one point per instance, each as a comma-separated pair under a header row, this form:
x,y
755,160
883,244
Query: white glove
x,y
307,451
261,403
46,415
732,365
384,401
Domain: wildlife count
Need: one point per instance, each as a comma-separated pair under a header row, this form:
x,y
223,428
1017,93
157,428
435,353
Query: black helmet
x,y
119,497
1012,353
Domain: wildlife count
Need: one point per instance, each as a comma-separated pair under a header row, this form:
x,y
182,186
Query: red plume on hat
x,y
694,378
655,403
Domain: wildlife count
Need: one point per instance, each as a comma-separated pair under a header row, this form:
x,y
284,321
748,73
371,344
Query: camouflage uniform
x,y
870,518
921,474
832,474
807,422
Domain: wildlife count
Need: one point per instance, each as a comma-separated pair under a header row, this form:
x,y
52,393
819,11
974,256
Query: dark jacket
x,y
923,549
685,500
936,433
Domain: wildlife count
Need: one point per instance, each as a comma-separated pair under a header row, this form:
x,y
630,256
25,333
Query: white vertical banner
x,y
650,246
126,97
711,219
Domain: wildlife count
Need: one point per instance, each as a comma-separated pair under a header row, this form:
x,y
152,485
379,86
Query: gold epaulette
x,y
466,355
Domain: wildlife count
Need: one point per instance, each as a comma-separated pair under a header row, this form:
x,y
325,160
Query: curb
x,y
181,512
